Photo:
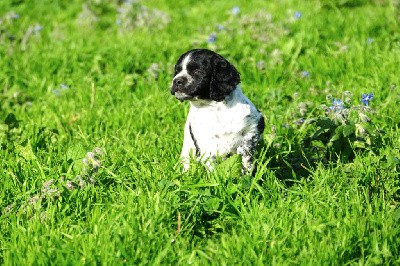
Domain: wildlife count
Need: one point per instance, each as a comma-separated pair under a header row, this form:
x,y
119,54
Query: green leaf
x,y
359,144
338,134
25,152
324,122
231,189
3,133
397,214
318,143
212,204
348,130
76,152
232,166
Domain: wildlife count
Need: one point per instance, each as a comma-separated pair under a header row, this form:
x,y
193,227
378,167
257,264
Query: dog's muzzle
x,y
178,86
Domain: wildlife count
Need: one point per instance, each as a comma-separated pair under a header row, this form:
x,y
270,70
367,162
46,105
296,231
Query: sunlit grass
x,y
90,135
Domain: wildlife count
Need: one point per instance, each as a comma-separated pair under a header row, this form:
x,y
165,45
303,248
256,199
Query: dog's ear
x,y
224,79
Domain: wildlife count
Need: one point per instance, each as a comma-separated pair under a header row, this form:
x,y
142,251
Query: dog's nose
x,y
180,81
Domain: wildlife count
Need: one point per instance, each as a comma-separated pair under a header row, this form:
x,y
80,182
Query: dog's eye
x,y
197,72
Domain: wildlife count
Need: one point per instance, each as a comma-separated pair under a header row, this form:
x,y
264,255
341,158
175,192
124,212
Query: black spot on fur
x,y
194,141
261,125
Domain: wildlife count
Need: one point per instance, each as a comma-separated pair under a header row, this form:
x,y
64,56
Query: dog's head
x,y
203,74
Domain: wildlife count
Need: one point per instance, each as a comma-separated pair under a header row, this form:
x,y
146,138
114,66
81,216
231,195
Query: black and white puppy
x,y
221,120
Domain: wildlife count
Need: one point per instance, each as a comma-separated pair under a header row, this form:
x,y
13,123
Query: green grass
x,y
83,79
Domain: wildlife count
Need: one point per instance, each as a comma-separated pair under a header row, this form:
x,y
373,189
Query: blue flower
x,y
305,74
370,40
366,98
212,38
299,121
337,105
220,27
297,14
37,28
235,10
64,86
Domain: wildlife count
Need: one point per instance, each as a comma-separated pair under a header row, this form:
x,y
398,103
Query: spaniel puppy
x,y
221,120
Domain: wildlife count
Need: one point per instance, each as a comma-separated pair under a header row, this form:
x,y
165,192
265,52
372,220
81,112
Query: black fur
x,y
224,80
261,125
194,141
213,76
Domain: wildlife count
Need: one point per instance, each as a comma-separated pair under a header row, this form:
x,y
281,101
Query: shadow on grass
x,y
336,138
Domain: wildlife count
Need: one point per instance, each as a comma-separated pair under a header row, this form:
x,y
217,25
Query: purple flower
x,y
297,15
366,98
220,27
212,38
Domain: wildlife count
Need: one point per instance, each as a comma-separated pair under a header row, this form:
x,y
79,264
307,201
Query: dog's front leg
x,y
247,150
188,147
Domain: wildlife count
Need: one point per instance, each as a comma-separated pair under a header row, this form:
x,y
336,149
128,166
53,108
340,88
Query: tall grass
x,y
90,136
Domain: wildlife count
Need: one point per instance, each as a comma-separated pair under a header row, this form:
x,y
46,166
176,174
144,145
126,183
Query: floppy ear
x,y
224,79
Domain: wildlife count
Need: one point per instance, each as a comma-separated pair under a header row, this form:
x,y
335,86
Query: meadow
x,y
90,135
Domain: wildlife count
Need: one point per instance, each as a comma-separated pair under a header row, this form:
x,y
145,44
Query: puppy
x,y
221,120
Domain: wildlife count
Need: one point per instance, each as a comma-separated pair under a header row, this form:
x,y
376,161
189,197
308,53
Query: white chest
x,y
219,128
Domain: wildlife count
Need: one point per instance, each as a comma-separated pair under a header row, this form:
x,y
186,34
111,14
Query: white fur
x,y
221,128
183,72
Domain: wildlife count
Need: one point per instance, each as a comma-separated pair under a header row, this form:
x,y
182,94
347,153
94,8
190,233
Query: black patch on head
x,y
224,79
213,77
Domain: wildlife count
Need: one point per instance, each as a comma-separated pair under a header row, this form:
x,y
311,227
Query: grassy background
x,y
75,75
